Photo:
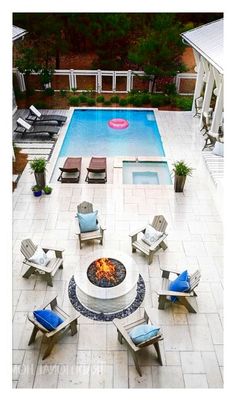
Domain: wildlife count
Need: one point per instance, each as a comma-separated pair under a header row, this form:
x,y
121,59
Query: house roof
x,y
17,32
208,41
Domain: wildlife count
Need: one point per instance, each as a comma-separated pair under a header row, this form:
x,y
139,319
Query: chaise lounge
x,y
97,170
70,172
37,117
25,128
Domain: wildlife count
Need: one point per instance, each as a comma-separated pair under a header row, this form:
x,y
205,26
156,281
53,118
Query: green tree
x,y
159,52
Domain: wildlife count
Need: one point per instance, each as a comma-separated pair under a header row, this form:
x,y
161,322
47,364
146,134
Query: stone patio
x,y
193,343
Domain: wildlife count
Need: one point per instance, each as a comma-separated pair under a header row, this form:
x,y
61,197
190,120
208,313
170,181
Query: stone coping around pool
x,y
53,160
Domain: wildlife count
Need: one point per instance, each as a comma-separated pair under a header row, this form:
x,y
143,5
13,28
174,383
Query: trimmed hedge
x,y
123,102
91,102
115,99
100,99
74,100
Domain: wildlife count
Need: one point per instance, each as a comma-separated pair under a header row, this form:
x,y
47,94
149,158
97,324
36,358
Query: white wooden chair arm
x,y
170,270
132,234
174,293
63,325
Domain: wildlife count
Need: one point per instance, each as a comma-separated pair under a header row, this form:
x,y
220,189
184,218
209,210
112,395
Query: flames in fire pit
x,y
106,272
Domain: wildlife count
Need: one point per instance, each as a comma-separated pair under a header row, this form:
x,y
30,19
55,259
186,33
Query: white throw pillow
x,y
40,257
151,235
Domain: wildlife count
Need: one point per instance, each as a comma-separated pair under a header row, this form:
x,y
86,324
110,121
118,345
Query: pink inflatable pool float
x,y
118,123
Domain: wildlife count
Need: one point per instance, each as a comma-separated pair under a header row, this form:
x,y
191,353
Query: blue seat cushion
x,y
47,318
88,221
180,284
143,332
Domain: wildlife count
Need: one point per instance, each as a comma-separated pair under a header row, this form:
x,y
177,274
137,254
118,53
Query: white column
x,y
128,85
208,93
114,82
199,83
217,116
21,81
99,81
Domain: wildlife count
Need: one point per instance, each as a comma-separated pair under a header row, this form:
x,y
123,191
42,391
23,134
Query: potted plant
x,y
181,170
38,166
47,190
37,191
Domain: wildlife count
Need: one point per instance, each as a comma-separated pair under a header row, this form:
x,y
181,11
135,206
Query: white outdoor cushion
x,y
35,111
151,235
39,257
23,123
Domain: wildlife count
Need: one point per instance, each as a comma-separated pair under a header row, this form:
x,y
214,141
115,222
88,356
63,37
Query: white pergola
x,y
207,44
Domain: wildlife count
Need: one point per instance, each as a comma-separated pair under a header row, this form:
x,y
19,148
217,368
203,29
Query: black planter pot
x,y
40,179
179,183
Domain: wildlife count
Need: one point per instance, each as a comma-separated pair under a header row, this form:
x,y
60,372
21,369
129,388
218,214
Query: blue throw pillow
x,y
47,318
143,332
180,284
88,221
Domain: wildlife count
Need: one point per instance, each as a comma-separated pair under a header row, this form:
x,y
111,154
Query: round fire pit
x,y
106,283
106,272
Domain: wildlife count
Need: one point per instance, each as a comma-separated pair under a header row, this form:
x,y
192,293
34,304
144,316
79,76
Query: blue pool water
x,y
88,134
146,173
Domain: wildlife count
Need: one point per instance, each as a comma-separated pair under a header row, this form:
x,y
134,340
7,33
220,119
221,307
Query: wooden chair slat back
x,y
85,207
194,280
159,223
28,248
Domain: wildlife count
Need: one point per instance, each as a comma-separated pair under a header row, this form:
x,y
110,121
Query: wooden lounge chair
x,y
70,172
37,117
25,128
97,170
184,298
160,224
86,207
28,248
123,334
70,322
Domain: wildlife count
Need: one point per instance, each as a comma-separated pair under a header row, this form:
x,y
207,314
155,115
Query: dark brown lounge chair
x,y
97,170
70,172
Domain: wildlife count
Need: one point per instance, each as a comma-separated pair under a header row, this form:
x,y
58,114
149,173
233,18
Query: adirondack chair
x,y
69,322
86,207
160,224
28,248
184,298
123,334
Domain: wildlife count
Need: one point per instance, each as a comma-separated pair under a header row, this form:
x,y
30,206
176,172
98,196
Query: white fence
x,y
75,77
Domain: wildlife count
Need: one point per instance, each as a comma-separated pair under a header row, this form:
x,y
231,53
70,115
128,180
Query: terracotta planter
x,y
40,179
179,183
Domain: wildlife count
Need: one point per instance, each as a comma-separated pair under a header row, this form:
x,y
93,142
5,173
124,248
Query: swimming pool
x,y
89,134
146,173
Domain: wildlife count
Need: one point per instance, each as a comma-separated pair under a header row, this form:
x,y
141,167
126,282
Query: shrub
x,y
184,102
83,98
63,93
40,105
138,102
123,102
130,99
181,168
170,89
74,89
91,102
74,100
49,92
115,99
100,99
145,98
159,99
107,103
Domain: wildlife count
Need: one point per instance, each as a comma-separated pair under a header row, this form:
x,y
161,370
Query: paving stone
x,y
120,369
201,338
213,373
46,376
75,376
92,337
215,328
172,358
28,369
101,376
60,354
192,362
137,381
219,350
167,377
195,381
177,338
